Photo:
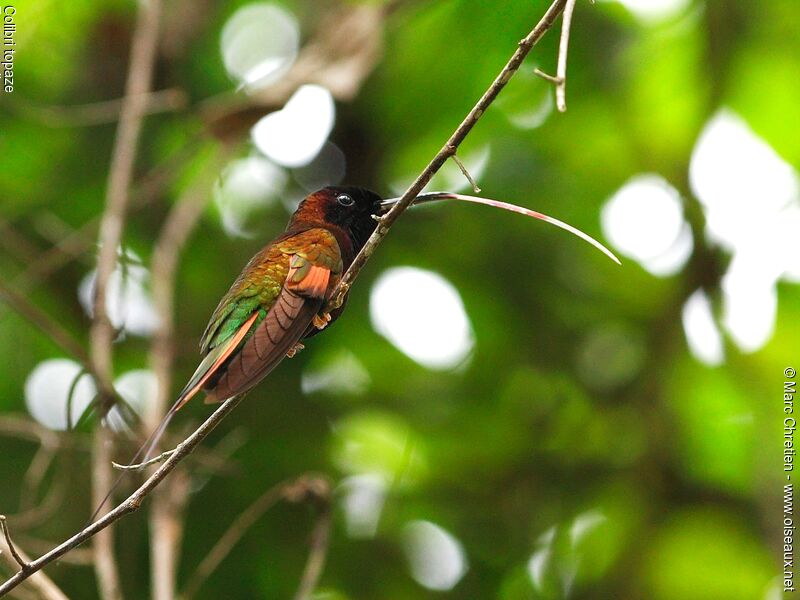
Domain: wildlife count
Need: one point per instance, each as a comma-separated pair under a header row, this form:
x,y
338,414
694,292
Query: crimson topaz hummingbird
x,y
279,297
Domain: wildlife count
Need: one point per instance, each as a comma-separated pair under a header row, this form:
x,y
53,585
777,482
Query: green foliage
x,y
578,449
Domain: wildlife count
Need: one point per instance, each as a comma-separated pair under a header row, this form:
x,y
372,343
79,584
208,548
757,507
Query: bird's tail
x,y
143,453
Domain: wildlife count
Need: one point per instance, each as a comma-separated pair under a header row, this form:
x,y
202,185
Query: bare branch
x,y
134,108
143,465
16,558
546,76
165,523
464,170
449,149
563,47
133,502
11,548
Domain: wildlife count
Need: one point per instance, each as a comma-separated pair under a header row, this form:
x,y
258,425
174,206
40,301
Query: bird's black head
x,y
348,207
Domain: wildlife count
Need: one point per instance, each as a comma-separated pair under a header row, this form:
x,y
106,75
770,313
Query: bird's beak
x,y
387,204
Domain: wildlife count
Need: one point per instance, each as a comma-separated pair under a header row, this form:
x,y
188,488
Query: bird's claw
x,y
295,349
321,321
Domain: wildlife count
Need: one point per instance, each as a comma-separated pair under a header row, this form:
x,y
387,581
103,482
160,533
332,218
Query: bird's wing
x,y
264,314
290,281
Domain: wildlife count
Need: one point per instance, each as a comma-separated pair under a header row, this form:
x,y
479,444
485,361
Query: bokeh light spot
x,y
654,11
751,200
644,220
378,444
363,500
294,135
47,390
340,374
422,314
436,558
259,43
128,301
702,334
138,388
247,188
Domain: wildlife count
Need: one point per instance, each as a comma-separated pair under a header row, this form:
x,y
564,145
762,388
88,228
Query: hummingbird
x,y
280,297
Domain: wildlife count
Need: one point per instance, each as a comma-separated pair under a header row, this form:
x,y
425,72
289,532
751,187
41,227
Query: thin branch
x,y
23,564
36,472
16,558
449,149
466,174
319,544
546,76
133,502
23,428
143,465
563,47
165,523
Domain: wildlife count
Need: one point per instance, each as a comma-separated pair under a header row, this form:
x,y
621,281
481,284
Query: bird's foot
x,y
321,321
297,347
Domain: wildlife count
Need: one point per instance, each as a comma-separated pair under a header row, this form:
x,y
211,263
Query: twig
x,y
133,502
319,544
143,465
464,170
23,564
449,149
15,557
546,76
294,490
563,47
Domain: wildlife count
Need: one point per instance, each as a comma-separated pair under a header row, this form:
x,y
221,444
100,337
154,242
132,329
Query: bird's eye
x,y
345,200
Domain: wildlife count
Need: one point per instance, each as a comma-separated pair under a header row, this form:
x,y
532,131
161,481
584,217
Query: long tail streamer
x,y
436,196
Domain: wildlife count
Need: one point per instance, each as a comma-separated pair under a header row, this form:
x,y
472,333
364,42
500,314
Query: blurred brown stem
x,y
101,334
166,524
46,324
295,490
107,111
